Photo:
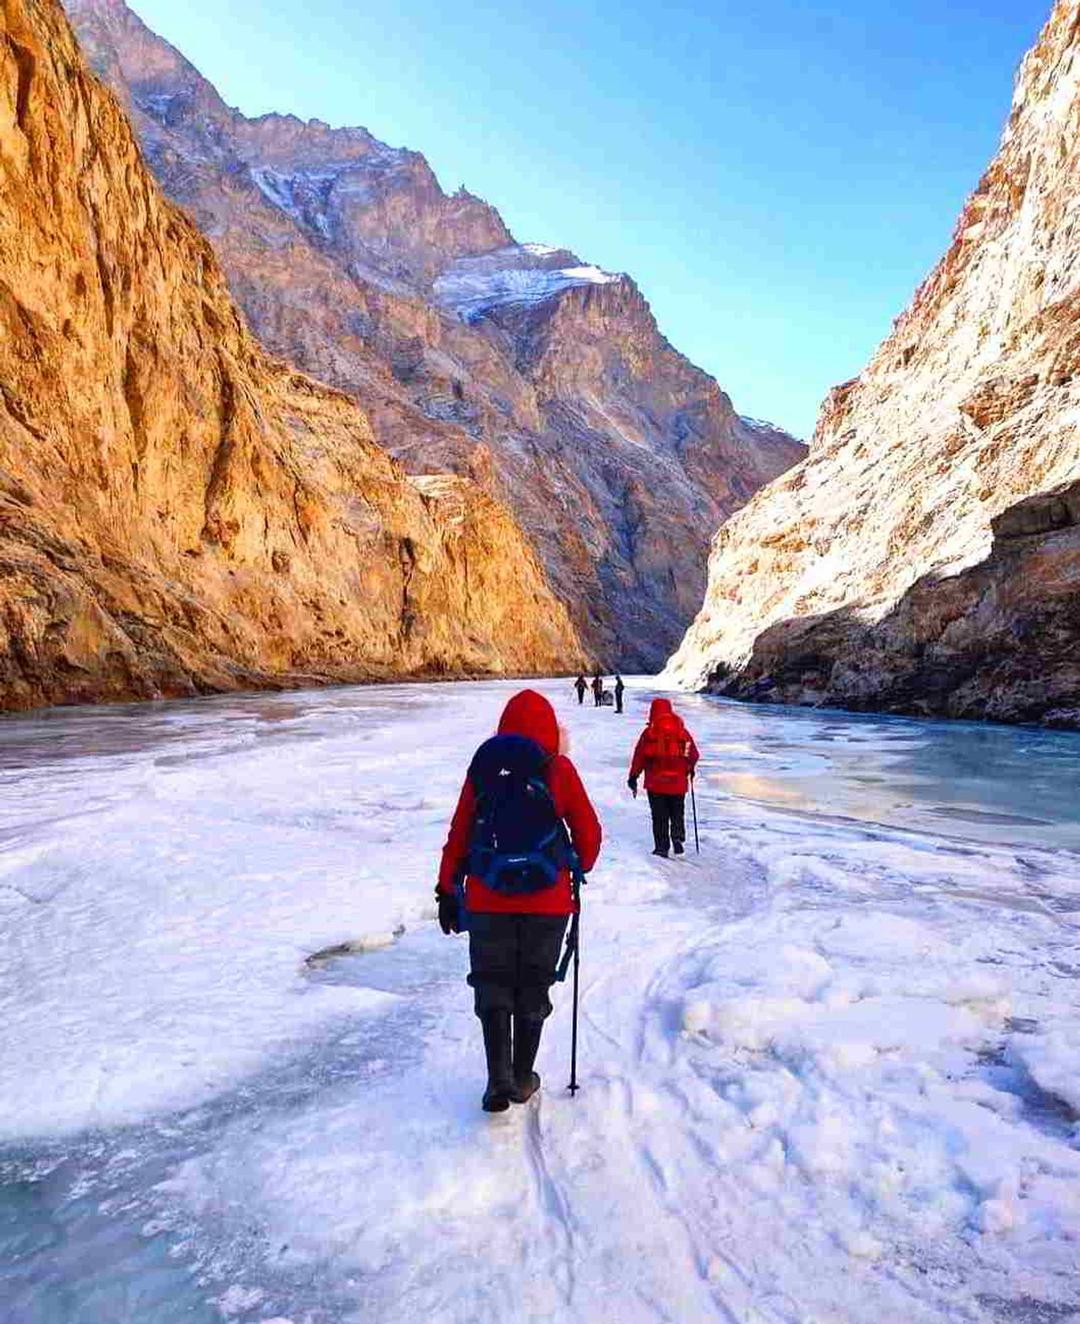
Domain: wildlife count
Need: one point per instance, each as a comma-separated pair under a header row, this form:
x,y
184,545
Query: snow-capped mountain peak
x,y
515,274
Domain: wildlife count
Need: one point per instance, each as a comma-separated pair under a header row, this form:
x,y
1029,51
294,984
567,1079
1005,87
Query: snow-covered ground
x,y
830,1067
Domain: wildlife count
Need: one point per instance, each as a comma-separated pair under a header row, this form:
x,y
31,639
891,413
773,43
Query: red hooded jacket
x,y
527,714
665,752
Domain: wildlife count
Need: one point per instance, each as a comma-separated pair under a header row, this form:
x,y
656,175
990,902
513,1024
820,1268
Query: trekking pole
x,y
693,806
575,937
574,1086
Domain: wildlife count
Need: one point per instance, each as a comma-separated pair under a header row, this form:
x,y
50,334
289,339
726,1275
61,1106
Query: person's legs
x,y
659,811
541,939
540,945
677,811
493,974
492,961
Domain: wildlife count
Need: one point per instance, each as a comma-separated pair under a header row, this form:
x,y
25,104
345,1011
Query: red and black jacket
x,y
665,752
527,714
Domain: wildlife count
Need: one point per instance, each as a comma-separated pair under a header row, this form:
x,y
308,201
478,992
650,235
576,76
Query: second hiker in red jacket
x,y
667,755
522,818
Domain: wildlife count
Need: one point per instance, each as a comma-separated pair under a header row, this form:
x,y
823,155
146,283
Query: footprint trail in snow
x,y
829,1066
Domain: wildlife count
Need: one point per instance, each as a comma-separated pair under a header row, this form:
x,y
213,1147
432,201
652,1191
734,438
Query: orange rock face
x,y
543,379
179,512
869,575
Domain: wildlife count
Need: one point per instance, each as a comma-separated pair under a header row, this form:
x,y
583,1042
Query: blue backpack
x,y
519,843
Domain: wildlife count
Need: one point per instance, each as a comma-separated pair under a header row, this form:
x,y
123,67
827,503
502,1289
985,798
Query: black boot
x,y
500,1086
527,1032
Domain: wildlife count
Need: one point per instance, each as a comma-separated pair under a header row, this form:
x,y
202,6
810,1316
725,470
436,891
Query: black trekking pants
x,y
668,819
513,959
618,701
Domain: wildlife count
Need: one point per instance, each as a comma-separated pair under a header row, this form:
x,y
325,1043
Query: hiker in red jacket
x,y
522,817
667,755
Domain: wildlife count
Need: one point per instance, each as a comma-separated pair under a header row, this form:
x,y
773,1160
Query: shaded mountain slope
x,y
543,378
180,512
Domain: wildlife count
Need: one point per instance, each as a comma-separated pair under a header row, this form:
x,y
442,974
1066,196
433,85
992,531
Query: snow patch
x,y
238,1300
520,274
1053,1058
158,104
308,194
303,195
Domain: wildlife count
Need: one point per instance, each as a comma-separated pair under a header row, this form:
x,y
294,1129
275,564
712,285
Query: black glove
x,y
632,783
448,913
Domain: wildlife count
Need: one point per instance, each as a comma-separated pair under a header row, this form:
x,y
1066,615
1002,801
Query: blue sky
x,y
777,176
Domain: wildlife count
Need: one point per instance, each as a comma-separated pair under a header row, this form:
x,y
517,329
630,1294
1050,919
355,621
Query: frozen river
x,y
831,1067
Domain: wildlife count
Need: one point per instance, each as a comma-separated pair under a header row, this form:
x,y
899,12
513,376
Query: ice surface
x,y
829,1067
158,905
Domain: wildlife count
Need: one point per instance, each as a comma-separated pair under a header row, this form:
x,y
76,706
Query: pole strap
x,y
569,950
462,904
577,877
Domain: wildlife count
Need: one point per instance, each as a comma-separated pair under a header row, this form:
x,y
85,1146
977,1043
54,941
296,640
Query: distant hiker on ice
x,y
667,755
581,685
619,688
598,689
523,825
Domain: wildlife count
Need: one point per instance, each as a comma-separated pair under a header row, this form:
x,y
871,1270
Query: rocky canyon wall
x,y
180,512
870,574
541,377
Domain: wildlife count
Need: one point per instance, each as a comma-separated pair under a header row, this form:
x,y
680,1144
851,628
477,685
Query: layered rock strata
x,y
180,512
999,640
541,377
870,574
